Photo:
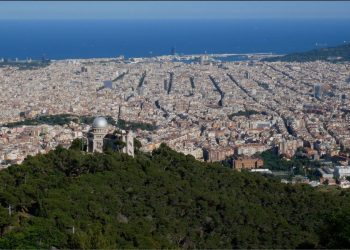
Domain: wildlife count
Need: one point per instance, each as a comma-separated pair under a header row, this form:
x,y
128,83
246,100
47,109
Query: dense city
x,y
213,110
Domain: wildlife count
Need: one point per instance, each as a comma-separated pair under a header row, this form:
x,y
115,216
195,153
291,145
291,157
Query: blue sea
x,y
140,38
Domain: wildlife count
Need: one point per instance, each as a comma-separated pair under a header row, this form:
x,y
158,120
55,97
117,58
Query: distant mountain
x,y
333,54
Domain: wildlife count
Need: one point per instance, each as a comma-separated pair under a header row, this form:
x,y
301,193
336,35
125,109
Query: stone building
x,y
97,134
98,137
289,147
128,139
240,163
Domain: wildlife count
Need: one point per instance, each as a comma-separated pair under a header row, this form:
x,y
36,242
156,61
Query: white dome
x,y
100,122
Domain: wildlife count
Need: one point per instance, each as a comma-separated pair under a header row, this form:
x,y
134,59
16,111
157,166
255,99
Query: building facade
x,y
99,137
240,163
97,134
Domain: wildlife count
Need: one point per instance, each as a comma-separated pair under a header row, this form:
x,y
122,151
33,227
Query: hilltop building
x,y
99,137
97,134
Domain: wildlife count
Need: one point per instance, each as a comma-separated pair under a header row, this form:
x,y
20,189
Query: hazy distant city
x,y
203,107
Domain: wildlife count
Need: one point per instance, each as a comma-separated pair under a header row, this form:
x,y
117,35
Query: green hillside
x,y
333,54
69,199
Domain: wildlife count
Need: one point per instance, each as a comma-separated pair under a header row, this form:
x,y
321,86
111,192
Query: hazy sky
x,y
172,10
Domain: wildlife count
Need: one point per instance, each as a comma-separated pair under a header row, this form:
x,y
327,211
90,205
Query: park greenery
x,y
299,164
61,120
64,119
122,124
25,65
263,85
72,199
333,54
246,113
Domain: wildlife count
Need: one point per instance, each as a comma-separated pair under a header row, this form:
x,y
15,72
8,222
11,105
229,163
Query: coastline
x,y
243,56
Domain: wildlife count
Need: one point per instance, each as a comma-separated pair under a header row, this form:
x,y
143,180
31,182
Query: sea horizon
x,y
90,39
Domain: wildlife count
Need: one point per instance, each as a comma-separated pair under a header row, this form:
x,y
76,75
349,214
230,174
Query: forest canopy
x,y
71,199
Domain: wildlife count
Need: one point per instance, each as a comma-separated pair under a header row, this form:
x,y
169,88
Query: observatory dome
x,y
100,122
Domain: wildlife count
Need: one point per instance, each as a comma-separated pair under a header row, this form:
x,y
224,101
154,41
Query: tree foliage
x,y
60,119
122,124
333,54
246,113
297,165
71,199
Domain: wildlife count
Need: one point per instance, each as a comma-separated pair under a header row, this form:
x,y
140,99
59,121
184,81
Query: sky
x,y
67,10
